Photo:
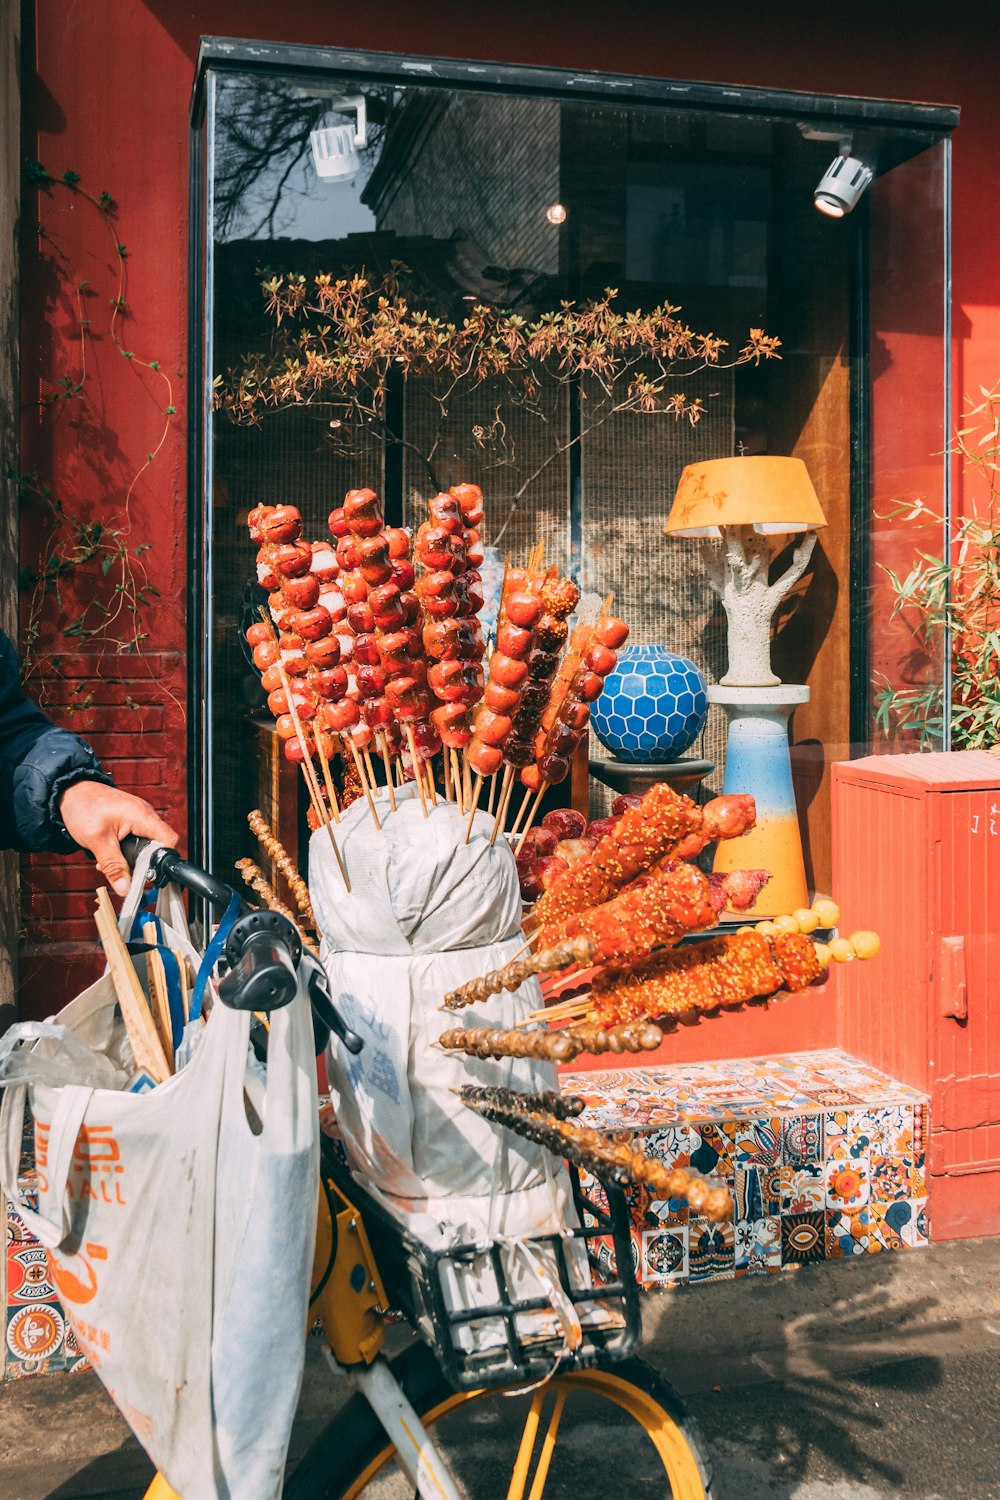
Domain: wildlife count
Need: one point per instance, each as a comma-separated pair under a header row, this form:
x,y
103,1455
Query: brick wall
x,y
59,954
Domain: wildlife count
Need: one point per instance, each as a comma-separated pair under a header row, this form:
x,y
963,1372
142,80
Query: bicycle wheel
x,y
622,1429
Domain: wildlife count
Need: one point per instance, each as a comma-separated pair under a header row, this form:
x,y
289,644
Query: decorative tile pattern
x,y
711,1250
822,1153
37,1337
665,1256
758,1246
848,1233
803,1238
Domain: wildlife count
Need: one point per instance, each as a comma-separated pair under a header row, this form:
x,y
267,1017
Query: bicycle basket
x,y
510,1339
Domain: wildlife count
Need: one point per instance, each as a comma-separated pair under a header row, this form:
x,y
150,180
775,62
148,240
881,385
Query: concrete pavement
x,y
855,1380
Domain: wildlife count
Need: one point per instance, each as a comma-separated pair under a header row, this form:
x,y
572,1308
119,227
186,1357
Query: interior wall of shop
x,y
106,94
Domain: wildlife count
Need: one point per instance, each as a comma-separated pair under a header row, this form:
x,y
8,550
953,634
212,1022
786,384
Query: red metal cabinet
x,y
916,856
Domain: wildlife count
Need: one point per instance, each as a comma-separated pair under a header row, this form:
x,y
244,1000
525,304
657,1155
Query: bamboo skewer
x,y
383,746
446,758
431,787
156,976
363,778
515,826
505,791
474,804
142,1033
327,778
569,1010
279,856
415,763
492,796
370,768
531,818
456,780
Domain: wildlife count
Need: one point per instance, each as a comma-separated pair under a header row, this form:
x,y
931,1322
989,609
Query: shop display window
x,y
520,191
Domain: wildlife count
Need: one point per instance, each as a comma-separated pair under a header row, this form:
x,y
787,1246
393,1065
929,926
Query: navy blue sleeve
x,y
38,762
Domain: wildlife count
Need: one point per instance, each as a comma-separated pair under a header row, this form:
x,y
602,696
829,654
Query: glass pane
x,y
523,214
910,398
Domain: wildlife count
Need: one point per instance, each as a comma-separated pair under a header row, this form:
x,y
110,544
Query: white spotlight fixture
x,y
335,145
556,213
842,184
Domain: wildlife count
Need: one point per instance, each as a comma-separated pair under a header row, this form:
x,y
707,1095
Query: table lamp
x,y
744,502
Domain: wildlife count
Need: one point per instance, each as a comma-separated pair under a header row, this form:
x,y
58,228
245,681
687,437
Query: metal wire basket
x,y
511,1339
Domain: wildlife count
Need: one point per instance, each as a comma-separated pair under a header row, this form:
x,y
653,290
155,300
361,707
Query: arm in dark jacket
x,y
38,762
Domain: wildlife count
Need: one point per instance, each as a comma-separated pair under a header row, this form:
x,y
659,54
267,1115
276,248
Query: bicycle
x,y
497,1407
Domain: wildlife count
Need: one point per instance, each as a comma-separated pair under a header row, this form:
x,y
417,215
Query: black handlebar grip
x,y
167,865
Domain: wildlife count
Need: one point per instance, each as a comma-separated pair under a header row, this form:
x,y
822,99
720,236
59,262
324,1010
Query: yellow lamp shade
x,y
771,494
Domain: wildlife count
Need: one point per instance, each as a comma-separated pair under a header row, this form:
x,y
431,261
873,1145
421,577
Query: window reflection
x,y
519,204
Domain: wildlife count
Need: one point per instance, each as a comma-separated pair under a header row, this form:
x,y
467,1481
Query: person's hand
x,y
98,817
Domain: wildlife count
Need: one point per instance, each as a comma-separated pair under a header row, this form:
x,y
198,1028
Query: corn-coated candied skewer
x,y
279,856
661,826
723,971
587,1148
745,965
253,876
657,909
513,974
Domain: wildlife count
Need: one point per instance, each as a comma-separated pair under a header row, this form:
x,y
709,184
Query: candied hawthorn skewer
x,y
546,1045
253,876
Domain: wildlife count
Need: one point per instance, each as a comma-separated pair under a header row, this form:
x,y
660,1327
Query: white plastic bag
x,y
181,1243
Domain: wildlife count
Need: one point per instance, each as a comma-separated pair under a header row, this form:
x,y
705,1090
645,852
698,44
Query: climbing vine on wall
x,y
84,581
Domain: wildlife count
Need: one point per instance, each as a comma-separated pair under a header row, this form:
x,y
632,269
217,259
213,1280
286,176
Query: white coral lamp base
x,y
757,761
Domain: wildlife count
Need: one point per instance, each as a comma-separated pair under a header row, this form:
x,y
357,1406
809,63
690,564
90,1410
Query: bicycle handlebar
x,y
263,949
167,865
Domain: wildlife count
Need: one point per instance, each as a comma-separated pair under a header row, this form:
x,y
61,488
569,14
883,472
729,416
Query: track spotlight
x,y
335,146
842,184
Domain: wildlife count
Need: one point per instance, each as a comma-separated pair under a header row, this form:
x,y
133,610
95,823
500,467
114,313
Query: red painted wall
x,y
106,91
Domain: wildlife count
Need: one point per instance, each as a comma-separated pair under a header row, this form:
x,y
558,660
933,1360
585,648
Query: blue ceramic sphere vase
x,y
653,707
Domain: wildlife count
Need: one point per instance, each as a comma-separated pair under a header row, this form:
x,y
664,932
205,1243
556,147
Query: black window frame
x,y
916,127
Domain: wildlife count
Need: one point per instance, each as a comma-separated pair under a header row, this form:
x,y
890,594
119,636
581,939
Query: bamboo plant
x,y
951,602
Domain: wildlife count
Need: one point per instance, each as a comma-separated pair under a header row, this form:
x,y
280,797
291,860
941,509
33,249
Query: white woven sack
x,y
181,1243
425,913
